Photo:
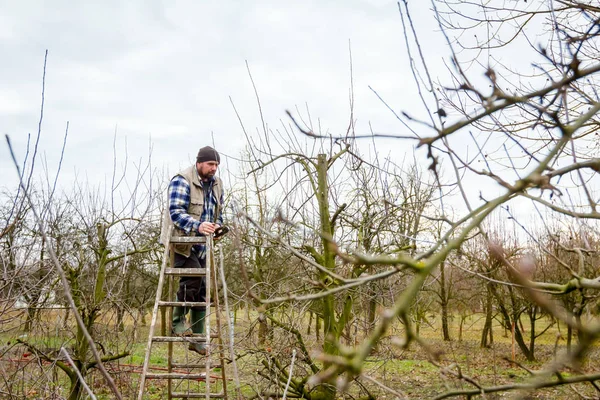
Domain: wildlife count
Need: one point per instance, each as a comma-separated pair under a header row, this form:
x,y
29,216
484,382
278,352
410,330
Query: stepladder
x,y
188,374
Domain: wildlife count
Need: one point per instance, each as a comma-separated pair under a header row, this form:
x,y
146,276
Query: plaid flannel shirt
x,y
179,201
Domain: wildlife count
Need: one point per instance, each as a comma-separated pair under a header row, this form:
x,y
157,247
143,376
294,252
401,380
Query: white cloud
x,y
165,70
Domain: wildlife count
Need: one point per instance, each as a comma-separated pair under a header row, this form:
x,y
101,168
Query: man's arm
x,y
179,201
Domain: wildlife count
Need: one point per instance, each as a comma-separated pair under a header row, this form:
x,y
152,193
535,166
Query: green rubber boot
x,y
179,327
197,320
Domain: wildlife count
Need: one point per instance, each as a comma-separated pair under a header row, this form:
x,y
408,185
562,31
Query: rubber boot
x,y
179,327
197,320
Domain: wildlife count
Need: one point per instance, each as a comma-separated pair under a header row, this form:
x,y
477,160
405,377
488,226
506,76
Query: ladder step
x,y
188,239
188,339
180,395
178,339
182,304
176,375
185,271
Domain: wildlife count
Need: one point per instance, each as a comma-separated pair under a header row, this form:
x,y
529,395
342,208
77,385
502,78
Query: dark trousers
x,y
191,288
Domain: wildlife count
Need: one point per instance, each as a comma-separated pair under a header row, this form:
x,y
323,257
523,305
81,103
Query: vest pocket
x,y
195,209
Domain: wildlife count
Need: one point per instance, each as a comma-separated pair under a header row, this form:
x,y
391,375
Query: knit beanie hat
x,y
207,153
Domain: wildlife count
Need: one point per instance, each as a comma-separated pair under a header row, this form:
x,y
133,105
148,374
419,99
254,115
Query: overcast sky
x,y
162,72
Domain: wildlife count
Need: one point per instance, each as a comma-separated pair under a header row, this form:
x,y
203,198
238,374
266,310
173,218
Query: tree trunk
x,y
163,321
76,388
263,331
31,316
331,327
521,342
120,318
509,319
372,307
569,338
532,318
318,327
65,321
444,303
486,335
142,312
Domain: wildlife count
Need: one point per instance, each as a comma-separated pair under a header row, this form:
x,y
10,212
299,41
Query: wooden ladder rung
x,y
185,271
176,375
180,395
181,304
187,239
178,339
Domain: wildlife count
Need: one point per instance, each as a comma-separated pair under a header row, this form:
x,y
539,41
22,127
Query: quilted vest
x,y
194,210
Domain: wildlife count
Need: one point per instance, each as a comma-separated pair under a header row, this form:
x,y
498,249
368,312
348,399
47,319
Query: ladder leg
x,y
218,315
161,278
169,324
209,262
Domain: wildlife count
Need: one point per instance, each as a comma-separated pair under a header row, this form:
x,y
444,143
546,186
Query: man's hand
x,y
207,228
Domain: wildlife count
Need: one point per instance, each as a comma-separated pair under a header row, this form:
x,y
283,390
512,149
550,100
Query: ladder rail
x,y
161,279
207,313
169,322
230,330
218,316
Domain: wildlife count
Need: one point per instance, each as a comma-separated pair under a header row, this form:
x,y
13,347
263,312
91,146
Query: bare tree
x,y
532,136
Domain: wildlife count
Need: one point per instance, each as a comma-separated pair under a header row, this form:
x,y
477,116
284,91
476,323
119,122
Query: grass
x,y
408,371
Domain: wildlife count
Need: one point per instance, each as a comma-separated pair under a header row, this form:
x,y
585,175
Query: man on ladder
x,y
195,200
